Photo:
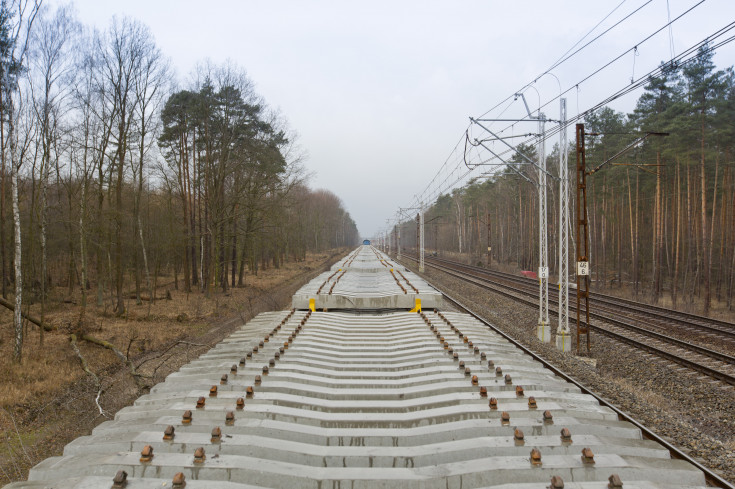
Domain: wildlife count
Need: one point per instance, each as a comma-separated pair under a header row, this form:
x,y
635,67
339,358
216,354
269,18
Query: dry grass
x,y
48,399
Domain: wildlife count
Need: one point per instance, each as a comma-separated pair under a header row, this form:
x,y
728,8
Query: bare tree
x,y
122,50
49,81
16,19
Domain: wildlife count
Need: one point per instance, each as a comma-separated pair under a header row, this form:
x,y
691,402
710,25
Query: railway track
x,y
715,364
351,388
686,322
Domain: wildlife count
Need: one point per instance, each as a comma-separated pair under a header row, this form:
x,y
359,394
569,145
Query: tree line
x,y
661,217
115,175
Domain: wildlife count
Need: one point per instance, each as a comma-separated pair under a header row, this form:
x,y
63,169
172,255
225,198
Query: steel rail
x,y
722,376
723,357
680,316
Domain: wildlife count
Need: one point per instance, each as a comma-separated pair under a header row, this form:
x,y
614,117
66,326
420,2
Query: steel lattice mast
x,y
421,237
542,331
563,338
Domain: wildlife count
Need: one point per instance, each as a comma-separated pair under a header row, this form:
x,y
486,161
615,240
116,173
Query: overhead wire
x,y
564,60
685,57
560,61
633,84
441,186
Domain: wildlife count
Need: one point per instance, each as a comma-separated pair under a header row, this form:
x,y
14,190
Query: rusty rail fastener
x,y
566,435
186,418
467,373
508,379
120,479
242,361
504,417
277,355
469,343
498,371
179,481
240,403
614,482
257,380
483,356
475,380
477,350
199,455
272,362
532,402
233,369
249,391
461,363
265,369
169,433
548,417
483,391
200,402
535,457
518,435
556,482
223,379
493,403
490,364
455,357
230,418
216,435
587,456
213,391
519,390
146,455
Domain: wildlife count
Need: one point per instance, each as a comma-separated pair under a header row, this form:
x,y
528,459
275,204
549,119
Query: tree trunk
x,y
705,229
18,262
675,279
710,246
635,242
120,306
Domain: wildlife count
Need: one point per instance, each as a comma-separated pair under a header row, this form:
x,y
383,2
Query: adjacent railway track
x,y
619,322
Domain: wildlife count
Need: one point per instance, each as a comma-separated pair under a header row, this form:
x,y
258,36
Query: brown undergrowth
x,y
49,399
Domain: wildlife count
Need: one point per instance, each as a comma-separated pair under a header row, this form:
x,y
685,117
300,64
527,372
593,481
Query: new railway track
x,y
368,381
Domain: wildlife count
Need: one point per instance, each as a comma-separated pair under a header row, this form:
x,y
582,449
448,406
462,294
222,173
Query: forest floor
x,y
48,400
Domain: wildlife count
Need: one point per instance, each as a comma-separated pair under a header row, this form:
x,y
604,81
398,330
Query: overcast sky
x,y
381,91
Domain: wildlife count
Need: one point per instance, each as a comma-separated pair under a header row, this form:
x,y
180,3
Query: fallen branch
x,y
180,342
32,319
146,298
123,358
85,367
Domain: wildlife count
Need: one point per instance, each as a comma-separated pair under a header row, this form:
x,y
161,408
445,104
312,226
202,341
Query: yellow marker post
x,y
312,306
418,306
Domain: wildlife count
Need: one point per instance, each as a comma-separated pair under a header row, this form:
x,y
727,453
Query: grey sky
x,y
381,91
